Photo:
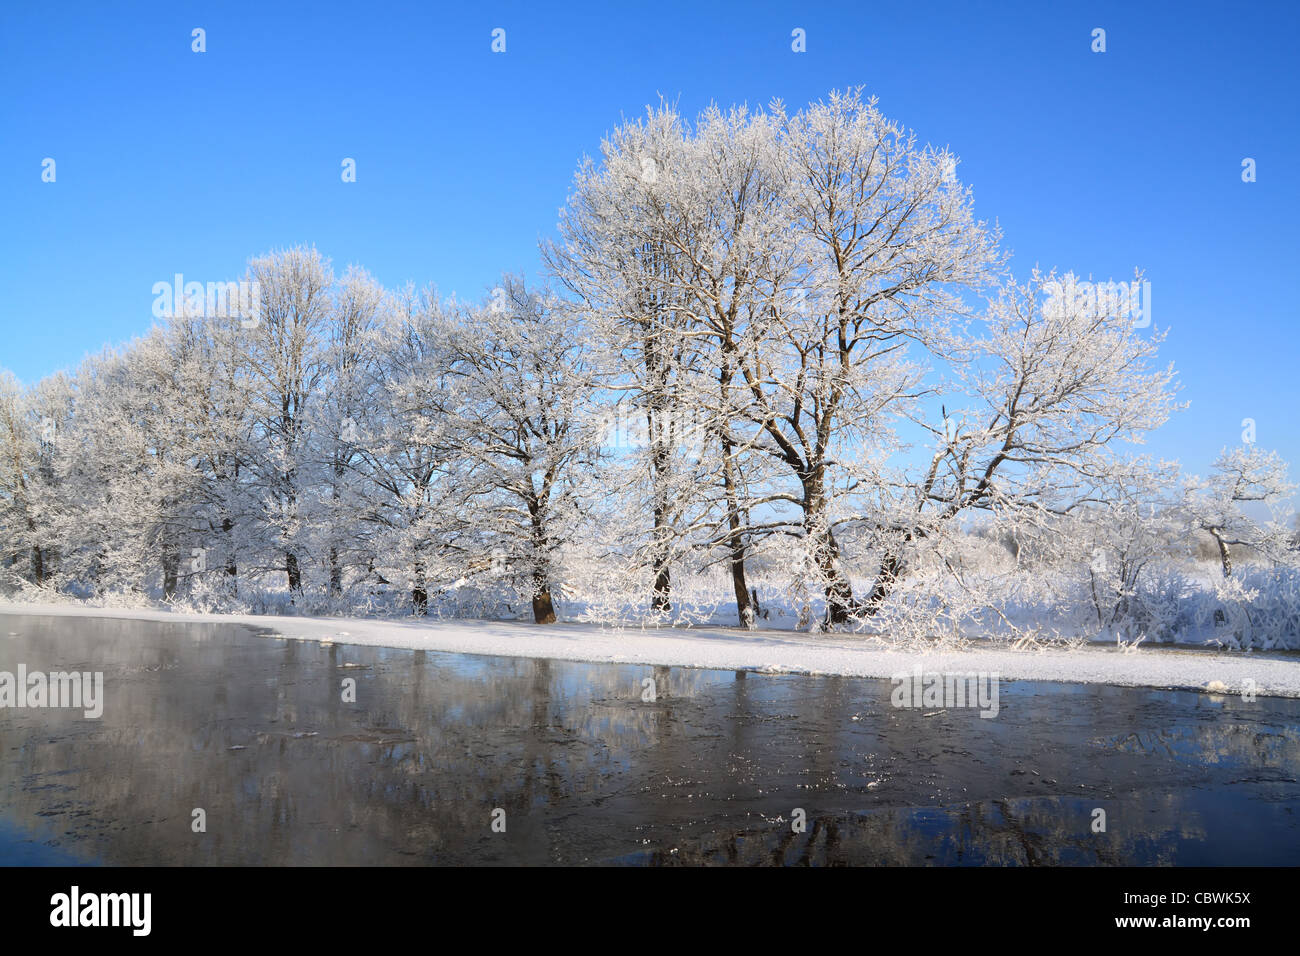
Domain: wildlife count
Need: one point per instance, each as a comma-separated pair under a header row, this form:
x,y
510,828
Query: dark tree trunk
x,y
890,567
543,607
660,596
839,595
291,569
97,570
171,564
736,538
1225,559
419,593
658,427
290,559
232,571
336,573
744,609
839,592
336,569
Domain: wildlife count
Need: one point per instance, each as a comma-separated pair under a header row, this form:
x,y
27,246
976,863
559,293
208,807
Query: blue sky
x,y
172,161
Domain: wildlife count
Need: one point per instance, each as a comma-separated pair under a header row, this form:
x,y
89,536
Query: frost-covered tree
x,y
27,442
725,213
400,451
351,351
1242,476
1051,388
886,234
1124,537
124,491
287,354
706,200
211,399
790,259
522,417
625,273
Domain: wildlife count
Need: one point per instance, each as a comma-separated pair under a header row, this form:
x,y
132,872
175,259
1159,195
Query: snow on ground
x,y
767,651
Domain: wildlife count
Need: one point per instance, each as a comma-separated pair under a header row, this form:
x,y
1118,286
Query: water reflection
x,y
255,731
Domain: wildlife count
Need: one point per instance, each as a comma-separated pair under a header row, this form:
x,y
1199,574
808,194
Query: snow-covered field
x,y
1275,675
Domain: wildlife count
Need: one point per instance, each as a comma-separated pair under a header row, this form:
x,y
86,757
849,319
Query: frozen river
x,y
256,733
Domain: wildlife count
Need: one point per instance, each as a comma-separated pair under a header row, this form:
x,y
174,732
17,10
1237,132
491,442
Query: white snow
x,y
1274,675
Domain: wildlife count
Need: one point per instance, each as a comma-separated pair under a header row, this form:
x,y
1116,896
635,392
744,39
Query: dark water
x,y
254,731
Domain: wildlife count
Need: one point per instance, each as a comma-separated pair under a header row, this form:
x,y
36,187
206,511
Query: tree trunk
x,y
97,570
336,573
543,607
336,570
839,594
659,598
171,564
1224,558
735,539
419,593
744,609
838,590
290,559
232,570
890,567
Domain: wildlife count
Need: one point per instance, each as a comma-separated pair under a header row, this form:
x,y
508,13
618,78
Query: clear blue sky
x,y
172,161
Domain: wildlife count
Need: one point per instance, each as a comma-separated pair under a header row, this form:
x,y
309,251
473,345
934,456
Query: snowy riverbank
x,y
766,651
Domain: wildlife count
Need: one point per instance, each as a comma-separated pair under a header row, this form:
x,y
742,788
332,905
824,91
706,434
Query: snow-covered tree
x,y
886,234
790,259
287,354
27,441
351,351
1242,476
399,448
626,272
1051,389
523,421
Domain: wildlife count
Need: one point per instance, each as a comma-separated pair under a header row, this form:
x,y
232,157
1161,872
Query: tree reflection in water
x,y
254,730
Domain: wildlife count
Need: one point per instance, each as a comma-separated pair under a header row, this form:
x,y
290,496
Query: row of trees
x,y
367,436
760,331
